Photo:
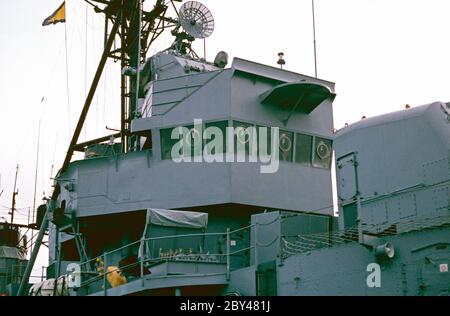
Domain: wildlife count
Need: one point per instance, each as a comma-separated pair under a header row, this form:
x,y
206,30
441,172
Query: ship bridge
x,y
245,107
247,96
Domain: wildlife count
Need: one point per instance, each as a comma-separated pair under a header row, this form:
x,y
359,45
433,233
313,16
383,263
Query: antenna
x,y
36,170
196,19
281,60
314,34
13,205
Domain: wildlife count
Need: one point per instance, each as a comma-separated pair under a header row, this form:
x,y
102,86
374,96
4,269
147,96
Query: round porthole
x,y
193,134
323,150
242,135
285,143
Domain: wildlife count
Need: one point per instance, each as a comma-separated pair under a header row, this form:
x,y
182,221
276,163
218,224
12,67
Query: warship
x,y
219,181
12,257
13,249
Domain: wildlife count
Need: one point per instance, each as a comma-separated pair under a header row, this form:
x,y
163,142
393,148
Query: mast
x,y
133,41
137,30
123,90
69,154
36,172
15,193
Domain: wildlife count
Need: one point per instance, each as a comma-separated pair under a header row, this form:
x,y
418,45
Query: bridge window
x,y
146,140
192,142
264,145
147,107
286,146
303,149
211,134
167,143
322,153
243,138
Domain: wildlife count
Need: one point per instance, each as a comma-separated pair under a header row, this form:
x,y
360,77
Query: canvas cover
x,y
179,219
10,253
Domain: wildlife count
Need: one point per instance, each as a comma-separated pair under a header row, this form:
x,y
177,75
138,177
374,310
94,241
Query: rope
x,y
21,238
67,76
54,156
36,171
85,63
93,27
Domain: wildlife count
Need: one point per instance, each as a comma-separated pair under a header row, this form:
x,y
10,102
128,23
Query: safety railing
x,y
12,273
148,253
295,244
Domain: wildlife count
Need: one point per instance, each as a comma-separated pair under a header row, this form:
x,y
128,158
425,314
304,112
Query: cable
x,y
36,172
83,19
21,238
67,76
85,64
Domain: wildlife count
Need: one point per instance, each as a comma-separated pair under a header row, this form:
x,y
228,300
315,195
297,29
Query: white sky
x,y
381,54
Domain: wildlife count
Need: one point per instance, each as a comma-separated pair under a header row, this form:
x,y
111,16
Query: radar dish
x,y
196,19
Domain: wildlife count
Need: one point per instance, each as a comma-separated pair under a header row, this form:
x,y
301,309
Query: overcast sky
x,y
381,54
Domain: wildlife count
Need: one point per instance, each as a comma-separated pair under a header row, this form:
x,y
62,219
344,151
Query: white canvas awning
x,y
11,253
180,219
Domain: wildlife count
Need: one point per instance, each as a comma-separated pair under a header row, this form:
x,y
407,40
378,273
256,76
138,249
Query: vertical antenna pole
x,y
36,172
86,61
123,84
204,48
67,77
314,34
135,140
13,206
138,65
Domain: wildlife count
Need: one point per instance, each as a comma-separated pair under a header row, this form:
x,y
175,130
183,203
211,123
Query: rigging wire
x,y
85,64
94,51
93,27
104,94
67,76
23,236
36,171
54,156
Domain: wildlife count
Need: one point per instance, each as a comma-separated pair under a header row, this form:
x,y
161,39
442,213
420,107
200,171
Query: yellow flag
x,y
58,16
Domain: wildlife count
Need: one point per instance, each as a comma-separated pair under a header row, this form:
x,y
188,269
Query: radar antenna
x,y
196,19
197,23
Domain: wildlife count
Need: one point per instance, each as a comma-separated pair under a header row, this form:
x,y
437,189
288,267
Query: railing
x,y
150,253
12,274
296,244
216,249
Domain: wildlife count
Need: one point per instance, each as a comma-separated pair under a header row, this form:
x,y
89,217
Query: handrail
x,y
143,261
104,274
165,238
144,257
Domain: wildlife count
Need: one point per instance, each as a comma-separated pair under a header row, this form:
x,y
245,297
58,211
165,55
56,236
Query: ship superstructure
x,y
13,261
222,185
